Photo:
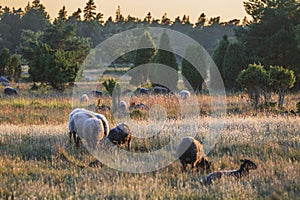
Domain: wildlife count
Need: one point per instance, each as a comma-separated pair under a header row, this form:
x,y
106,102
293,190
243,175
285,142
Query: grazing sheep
x,y
96,93
190,151
10,91
160,90
244,169
89,128
135,106
141,91
184,94
72,128
122,105
84,98
120,135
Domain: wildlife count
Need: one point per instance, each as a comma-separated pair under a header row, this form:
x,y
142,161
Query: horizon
x,y
139,9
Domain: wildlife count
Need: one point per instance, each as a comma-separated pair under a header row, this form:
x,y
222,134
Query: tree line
x,y
54,49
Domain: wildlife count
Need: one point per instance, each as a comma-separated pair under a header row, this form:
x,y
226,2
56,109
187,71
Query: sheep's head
x,y
248,165
204,164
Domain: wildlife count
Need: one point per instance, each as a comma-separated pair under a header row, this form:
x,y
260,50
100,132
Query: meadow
x,y
37,160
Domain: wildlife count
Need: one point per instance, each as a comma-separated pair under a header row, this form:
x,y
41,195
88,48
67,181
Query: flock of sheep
x,y
93,128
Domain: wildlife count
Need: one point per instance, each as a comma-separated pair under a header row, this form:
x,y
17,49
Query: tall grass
x,y
38,161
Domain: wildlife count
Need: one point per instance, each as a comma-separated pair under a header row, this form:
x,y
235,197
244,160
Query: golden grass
x,y
37,161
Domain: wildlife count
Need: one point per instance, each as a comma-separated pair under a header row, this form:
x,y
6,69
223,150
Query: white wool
x,y
88,128
184,94
84,98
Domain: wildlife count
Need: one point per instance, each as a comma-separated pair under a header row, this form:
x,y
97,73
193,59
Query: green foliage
x,y
54,57
110,85
272,36
10,66
143,56
10,28
254,79
281,79
165,56
35,17
194,78
219,52
259,81
234,61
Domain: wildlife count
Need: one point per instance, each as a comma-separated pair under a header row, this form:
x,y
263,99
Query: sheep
x,y
160,90
135,106
122,105
120,135
10,91
84,98
190,151
244,169
89,128
141,91
184,94
96,93
71,125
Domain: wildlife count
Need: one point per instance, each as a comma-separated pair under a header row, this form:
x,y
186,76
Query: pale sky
x,y
227,9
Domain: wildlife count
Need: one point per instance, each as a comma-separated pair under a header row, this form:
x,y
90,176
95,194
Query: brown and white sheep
x,y
190,151
244,169
120,135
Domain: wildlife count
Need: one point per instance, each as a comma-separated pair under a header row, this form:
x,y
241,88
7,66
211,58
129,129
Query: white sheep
x,y
122,105
84,98
89,128
71,124
184,94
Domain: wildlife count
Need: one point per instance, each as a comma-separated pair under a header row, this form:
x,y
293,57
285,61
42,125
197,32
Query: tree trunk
x,y
280,98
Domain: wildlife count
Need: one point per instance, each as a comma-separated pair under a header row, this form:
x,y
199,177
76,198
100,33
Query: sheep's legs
x,y
129,144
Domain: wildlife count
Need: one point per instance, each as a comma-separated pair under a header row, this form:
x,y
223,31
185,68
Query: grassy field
x,y
38,161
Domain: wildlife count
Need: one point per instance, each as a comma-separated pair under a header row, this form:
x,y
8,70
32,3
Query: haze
x,y
229,9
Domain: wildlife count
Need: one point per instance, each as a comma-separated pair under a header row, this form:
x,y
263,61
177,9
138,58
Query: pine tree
x,y
90,11
192,77
165,56
143,56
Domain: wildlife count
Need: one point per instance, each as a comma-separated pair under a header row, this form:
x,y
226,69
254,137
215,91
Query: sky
x,y
226,9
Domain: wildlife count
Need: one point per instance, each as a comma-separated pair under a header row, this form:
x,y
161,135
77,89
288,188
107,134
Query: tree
x,y
10,28
14,69
270,37
201,21
254,79
114,90
90,11
119,16
234,61
62,14
281,80
54,58
4,59
10,66
192,76
219,53
166,57
143,56
35,18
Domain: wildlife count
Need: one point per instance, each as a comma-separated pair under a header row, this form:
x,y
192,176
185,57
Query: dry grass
x,y
41,157
38,161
